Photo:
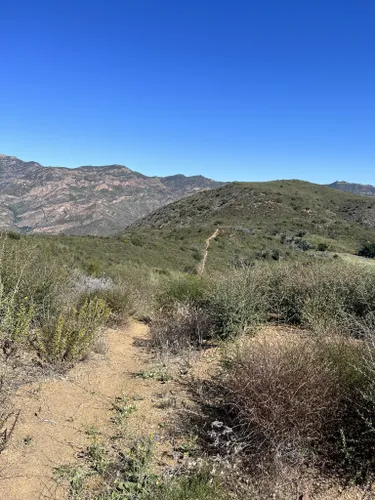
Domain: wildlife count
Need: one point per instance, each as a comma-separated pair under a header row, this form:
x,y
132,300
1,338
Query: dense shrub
x,y
287,395
192,309
326,297
16,318
299,400
185,326
181,289
302,244
47,283
68,337
237,302
367,250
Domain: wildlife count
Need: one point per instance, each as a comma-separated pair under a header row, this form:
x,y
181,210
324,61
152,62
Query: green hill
x,y
271,220
282,204
264,219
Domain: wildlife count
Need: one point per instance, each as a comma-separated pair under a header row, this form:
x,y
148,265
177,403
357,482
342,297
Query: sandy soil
x,y
56,413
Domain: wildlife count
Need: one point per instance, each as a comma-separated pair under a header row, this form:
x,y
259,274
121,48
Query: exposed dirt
x,y
202,264
56,414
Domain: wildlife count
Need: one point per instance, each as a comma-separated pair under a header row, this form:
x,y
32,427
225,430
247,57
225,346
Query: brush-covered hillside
x,y
264,219
256,221
283,204
264,345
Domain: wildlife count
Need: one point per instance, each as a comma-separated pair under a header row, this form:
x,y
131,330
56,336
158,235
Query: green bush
x,y
193,486
181,289
69,336
119,300
237,302
302,244
34,273
13,235
16,318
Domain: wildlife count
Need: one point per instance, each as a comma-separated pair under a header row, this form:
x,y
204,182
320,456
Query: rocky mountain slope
x,y
84,200
350,187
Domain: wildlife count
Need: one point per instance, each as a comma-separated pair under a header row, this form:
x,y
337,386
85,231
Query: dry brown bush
x,y
184,327
281,394
293,401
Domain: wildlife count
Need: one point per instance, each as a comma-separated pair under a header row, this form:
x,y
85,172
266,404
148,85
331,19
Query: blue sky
x,y
234,90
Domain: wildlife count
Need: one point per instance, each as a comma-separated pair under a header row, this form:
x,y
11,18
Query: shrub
x,y
36,274
192,309
301,401
193,486
183,327
326,297
181,289
279,393
322,247
118,298
16,316
367,250
276,254
302,244
68,337
333,294
13,235
237,302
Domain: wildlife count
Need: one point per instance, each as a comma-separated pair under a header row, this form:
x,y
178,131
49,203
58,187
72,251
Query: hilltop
x,y
85,200
282,204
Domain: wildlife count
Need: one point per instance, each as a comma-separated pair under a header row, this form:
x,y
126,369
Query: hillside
x,y
282,204
261,219
86,200
350,187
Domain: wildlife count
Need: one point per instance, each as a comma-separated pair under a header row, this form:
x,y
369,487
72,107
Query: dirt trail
x,y
57,413
202,265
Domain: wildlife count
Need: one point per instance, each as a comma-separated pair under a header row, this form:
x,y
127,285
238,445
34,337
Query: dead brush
x,y
8,422
184,326
280,394
291,401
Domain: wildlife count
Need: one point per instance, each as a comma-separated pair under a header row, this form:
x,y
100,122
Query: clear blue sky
x,y
244,90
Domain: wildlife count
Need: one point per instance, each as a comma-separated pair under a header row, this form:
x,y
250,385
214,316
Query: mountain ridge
x,y
353,187
97,200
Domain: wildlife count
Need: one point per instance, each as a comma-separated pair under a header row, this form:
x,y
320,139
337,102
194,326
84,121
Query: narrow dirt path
x,y
202,265
56,413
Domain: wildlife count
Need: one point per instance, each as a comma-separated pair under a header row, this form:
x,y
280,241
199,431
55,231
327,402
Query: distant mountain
x,y
85,200
349,187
